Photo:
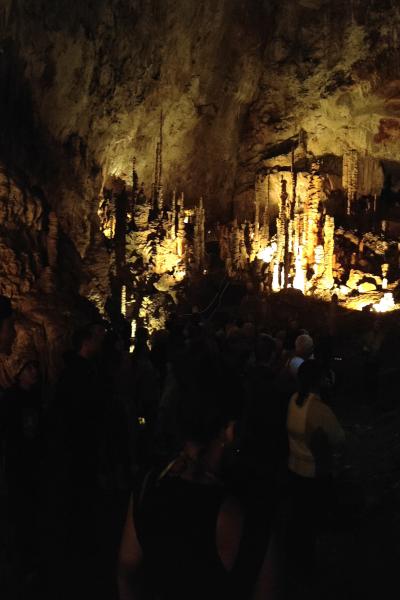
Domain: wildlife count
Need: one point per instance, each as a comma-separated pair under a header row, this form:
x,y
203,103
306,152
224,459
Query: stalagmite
x,y
199,248
299,281
329,244
311,214
180,236
243,256
255,242
123,300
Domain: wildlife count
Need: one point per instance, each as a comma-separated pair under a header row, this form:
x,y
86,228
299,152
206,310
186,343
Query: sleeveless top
x,y
176,524
301,460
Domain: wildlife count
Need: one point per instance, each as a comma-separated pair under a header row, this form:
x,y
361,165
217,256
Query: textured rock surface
x,y
82,85
233,78
102,71
331,69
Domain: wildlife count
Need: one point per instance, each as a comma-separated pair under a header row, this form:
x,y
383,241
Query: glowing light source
x,y
267,253
133,333
179,274
123,300
385,304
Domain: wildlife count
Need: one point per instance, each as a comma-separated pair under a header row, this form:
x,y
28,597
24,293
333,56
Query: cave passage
x,y
199,299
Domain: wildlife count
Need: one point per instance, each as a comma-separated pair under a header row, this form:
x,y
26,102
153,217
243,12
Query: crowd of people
x,y
197,466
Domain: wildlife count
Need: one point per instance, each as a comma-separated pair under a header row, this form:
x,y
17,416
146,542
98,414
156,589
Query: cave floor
x,y
359,550
358,553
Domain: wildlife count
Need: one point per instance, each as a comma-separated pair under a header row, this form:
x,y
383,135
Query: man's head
x,y
265,348
7,329
89,340
304,346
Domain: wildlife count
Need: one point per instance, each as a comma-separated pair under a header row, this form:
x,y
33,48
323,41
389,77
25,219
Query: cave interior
x,y
162,158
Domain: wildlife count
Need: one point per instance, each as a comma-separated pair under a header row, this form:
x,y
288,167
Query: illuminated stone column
x,y
329,245
276,283
255,241
299,281
311,216
264,234
135,190
199,249
157,187
296,234
350,177
173,215
385,269
244,257
319,261
180,235
123,300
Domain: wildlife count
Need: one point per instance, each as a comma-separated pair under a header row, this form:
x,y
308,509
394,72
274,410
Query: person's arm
x,y
129,559
321,419
229,532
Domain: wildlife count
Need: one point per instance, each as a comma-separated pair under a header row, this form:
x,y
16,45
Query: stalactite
x,y
255,242
350,177
199,249
157,187
180,236
135,185
284,216
243,256
171,219
329,246
121,209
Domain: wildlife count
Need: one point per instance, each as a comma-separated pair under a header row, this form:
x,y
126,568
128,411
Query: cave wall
x,y
332,69
100,73
234,80
82,85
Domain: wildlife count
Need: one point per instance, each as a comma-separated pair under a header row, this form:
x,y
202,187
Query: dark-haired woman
x,y
313,432
183,531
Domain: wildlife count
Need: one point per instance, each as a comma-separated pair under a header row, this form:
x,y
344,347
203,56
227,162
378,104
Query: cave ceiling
x,y
234,79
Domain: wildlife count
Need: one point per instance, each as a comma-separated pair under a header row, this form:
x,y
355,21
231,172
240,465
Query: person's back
x,y
176,522
304,422
313,432
183,530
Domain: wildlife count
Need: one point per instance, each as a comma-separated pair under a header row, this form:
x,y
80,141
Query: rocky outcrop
x,y
329,85
243,87
30,274
102,72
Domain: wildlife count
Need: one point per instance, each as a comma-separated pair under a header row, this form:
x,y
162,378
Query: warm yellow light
x,y
179,274
385,304
133,333
267,253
